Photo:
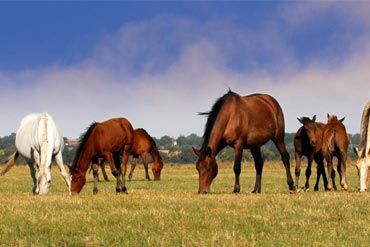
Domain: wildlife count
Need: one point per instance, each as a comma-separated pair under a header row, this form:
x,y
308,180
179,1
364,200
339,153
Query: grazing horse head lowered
x,y
363,154
108,140
38,141
243,123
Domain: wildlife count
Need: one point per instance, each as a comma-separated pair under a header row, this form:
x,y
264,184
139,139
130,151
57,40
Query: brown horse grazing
x,y
243,123
108,140
335,143
308,142
144,145
363,154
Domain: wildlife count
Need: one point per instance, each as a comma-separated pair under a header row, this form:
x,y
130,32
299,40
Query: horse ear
x,y
300,120
328,115
72,169
209,151
196,151
314,118
342,119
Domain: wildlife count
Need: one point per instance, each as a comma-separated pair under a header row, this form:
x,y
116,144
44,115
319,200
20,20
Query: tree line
x,y
178,150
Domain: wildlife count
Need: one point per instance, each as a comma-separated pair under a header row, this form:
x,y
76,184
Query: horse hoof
x,y
95,191
124,190
118,190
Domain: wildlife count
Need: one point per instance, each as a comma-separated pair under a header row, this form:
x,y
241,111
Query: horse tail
x,y
47,143
10,163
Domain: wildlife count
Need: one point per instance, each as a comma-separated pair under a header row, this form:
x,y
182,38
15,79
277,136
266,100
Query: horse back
x,y
256,118
112,135
335,138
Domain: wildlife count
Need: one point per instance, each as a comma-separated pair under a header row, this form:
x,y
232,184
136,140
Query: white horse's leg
x,y
35,170
63,171
35,189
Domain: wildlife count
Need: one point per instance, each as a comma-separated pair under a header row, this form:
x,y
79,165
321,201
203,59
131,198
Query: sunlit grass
x,y
171,213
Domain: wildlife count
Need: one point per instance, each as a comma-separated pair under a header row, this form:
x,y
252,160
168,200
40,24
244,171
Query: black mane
x,y
82,145
212,116
154,145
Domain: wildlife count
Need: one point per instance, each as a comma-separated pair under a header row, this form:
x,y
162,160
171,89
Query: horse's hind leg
x,y
145,162
258,164
319,159
133,166
342,171
279,143
67,178
102,166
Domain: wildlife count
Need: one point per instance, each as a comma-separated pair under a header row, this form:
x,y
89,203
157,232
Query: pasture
x,y
170,212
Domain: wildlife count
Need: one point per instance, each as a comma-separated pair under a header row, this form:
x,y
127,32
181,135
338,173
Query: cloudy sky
x,y
159,63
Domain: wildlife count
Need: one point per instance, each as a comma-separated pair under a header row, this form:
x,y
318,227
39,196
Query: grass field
x,y
171,213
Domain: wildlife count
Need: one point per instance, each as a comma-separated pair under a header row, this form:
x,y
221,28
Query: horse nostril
x,y
49,181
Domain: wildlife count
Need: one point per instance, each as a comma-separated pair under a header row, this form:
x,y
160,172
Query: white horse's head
x,y
363,169
43,182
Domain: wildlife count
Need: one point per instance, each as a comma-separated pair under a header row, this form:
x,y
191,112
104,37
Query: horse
x,y
38,141
363,154
108,140
242,122
143,145
308,142
335,143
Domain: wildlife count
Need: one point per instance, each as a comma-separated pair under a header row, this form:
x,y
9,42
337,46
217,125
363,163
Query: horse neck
x,y
216,135
155,153
84,159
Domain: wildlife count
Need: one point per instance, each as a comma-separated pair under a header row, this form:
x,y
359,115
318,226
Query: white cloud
x,y
159,73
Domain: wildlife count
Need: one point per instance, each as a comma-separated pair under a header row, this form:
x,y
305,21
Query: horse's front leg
x,y
35,189
67,178
298,158
95,167
125,157
113,161
238,149
258,164
144,157
308,173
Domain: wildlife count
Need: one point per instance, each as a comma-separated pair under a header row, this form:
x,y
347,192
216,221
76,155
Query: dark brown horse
x,y
308,142
107,140
335,143
143,145
243,123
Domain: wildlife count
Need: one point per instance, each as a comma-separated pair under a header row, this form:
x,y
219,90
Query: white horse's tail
x,y
47,144
10,163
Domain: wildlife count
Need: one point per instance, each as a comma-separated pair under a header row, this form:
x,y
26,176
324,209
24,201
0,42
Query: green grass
x,y
171,213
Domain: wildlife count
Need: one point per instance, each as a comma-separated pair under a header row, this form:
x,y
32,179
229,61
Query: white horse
x,y
38,141
363,154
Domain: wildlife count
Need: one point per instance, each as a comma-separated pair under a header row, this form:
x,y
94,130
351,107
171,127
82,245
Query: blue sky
x,y
159,63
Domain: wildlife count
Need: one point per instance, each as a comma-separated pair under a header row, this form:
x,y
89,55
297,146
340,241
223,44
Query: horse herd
x,y
242,122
